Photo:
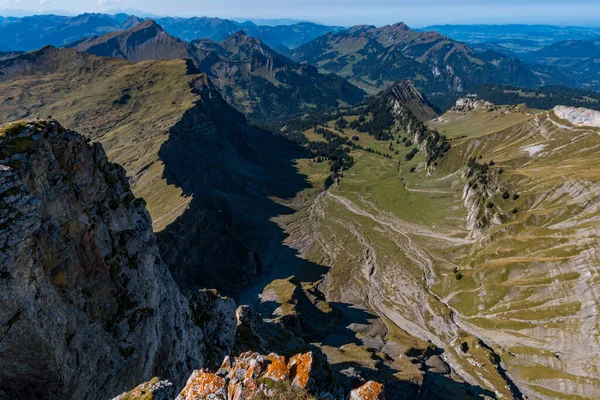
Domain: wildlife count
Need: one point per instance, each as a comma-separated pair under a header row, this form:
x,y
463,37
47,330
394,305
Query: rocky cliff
x,y
207,177
88,307
407,94
578,116
255,376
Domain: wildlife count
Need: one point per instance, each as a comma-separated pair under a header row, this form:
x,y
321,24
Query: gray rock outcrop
x,y
88,308
578,116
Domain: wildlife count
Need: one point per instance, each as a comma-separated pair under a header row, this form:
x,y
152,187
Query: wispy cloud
x,y
110,2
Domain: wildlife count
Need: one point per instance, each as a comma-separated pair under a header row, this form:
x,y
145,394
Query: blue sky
x,y
347,12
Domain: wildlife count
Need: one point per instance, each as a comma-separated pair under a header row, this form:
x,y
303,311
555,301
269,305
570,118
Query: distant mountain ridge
x,y
569,49
145,41
253,77
265,84
374,58
35,32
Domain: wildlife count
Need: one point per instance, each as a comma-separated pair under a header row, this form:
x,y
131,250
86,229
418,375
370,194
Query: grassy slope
x,y
351,242
160,94
387,234
535,275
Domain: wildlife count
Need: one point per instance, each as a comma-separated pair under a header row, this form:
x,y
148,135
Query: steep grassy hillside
x,y
205,175
487,254
250,75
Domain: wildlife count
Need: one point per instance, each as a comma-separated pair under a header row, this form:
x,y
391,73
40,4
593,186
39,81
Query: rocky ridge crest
x,y
255,376
578,116
89,308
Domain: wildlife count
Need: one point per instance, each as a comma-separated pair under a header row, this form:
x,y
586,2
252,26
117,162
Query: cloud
x,y
110,2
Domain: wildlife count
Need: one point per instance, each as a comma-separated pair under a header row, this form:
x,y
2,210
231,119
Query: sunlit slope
x,y
386,233
506,284
459,125
127,107
206,175
530,284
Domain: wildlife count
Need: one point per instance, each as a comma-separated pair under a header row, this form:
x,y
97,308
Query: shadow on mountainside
x,y
227,238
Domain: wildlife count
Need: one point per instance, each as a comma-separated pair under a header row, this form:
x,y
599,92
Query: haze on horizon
x,y
339,12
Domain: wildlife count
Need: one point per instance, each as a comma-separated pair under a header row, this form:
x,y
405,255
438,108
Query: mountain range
x,y
369,57
203,172
374,58
34,32
257,80
367,247
580,57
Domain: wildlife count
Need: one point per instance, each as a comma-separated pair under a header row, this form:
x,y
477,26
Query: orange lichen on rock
x,y
203,383
369,391
252,374
277,369
248,365
300,367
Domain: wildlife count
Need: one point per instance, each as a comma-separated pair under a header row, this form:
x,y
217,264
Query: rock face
x,y
254,333
155,389
216,316
407,94
369,391
468,104
251,375
578,116
88,307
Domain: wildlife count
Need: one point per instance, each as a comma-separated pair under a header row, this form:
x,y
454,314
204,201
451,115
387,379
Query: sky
x,y
415,13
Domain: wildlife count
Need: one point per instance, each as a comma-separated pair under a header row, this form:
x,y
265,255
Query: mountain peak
x,y
239,40
146,24
401,26
145,41
406,94
360,28
131,22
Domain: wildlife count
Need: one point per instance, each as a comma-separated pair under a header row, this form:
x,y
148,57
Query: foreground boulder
x,y
87,307
155,389
252,375
369,391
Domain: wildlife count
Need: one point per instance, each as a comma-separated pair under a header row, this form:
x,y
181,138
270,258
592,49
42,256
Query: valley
x,y
411,243
404,250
